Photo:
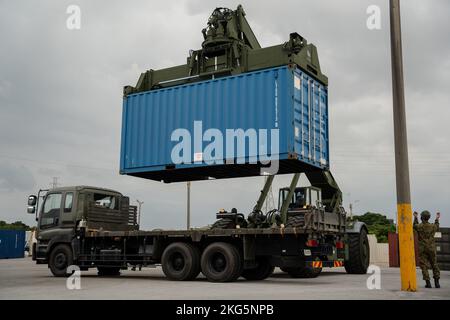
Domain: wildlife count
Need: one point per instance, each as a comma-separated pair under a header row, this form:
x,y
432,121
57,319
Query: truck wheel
x,y
304,272
108,271
181,261
261,272
224,223
295,222
359,253
33,252
221,262
61,257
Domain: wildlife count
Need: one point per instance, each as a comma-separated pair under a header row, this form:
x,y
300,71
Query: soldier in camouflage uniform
x,y
427,247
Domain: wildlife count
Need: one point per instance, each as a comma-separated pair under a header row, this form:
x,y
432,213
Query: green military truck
x,y
97,228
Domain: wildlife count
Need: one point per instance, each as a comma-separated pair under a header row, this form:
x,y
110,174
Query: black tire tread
x,y
236,256
224,223
354,265
196,260
194,254
295,222
68,251
261,272
239,270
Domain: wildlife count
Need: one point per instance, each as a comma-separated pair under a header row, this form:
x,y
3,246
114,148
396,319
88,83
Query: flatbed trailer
x,y
285,246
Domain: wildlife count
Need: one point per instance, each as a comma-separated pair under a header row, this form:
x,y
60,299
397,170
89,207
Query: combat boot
x,y
428,284
436,283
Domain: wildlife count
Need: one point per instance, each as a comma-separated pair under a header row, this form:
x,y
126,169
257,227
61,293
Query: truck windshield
x,y
299,198
106,201
51,210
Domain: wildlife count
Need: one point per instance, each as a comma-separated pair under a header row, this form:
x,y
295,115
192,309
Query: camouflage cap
x,y
425,214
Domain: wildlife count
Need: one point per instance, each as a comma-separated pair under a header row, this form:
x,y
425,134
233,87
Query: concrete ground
x,y
22,279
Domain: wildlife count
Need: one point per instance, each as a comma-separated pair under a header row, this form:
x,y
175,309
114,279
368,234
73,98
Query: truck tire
x,y
33,252
221,262
181,261
359,253
224,223
261,272
108,271
304,272
61,257
295,222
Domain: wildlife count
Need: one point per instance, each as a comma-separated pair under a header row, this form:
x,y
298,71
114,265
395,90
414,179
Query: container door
x,y
302,126
310,119
323,125
297,113
319,118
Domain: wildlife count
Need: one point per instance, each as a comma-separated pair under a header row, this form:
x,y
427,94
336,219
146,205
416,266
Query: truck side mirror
x,y
32,200
31,209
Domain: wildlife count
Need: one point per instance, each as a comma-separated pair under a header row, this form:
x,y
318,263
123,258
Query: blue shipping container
x,y
282,99
12,244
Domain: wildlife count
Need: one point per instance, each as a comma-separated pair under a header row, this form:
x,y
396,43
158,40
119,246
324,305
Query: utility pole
x,y
351,208
140,203
188,208
404,211
54,183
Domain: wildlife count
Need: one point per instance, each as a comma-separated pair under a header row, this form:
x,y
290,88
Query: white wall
x,y
379,252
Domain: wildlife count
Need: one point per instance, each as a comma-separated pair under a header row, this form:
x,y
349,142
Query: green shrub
x,y
377,224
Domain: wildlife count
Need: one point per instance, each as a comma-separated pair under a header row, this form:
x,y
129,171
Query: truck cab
x,y
303,197
66,212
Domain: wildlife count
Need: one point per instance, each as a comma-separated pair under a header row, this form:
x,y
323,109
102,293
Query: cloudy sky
x,y
61,98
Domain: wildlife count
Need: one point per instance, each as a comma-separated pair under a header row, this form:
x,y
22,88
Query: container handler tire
x,y
224,223
263,270
303,272
108,271
61,257
359,253
295,222
221,262
181,261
